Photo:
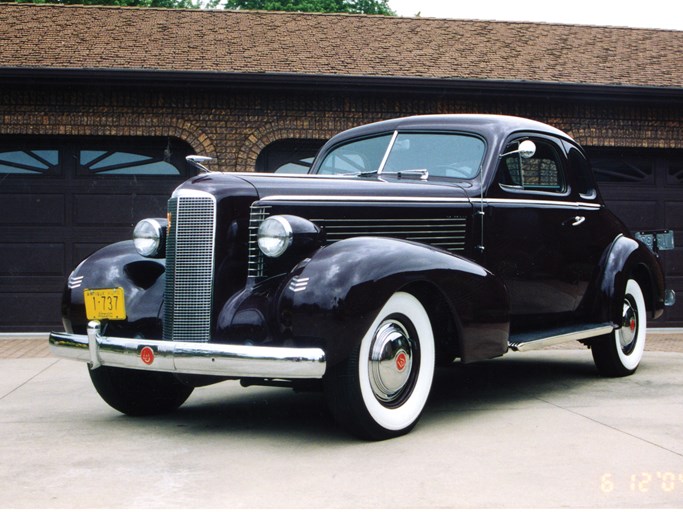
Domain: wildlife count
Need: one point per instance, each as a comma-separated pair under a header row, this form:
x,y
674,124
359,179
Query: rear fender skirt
x,y
626,258
334,296
113,266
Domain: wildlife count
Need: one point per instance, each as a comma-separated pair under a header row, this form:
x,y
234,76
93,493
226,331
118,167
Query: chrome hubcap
x,y
391,360
629,327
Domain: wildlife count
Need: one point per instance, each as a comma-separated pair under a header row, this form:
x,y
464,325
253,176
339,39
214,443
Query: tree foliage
x,y
175,4
347,6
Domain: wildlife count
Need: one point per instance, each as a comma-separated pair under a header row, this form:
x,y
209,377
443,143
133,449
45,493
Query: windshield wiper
x,y
365,174
420,174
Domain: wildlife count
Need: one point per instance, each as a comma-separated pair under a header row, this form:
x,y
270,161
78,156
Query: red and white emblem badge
x,y
401,361
147,355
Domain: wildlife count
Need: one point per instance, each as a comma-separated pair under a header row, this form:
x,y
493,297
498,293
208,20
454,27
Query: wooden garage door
x,y
645,189
63,198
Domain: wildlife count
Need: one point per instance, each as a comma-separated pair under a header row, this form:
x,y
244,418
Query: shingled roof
x,y
51,37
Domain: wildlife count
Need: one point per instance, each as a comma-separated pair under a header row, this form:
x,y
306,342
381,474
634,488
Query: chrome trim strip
x,y
560,338
365,199
592,206
543,202
298,284
413,199
75,282
214,359
188,192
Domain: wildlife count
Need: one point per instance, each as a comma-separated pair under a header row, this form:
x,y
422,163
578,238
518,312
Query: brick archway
x,y
271,132
73,124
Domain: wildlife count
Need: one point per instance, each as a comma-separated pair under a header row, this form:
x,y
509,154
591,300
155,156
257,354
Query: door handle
x,y
575,221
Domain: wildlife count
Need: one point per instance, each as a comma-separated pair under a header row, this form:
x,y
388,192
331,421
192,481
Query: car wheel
x,y
139,392
380,391
619,353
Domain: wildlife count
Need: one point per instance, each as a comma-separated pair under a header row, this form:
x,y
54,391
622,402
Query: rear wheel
x,y
139,392
619,353
380,391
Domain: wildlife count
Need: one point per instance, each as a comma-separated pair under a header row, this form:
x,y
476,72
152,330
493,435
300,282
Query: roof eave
x,y
337,83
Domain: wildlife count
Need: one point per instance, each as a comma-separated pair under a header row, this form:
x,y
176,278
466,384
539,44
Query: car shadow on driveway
x,y
512,378
229,409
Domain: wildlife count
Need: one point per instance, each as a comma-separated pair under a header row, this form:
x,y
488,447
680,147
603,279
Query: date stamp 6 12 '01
x,y
643,482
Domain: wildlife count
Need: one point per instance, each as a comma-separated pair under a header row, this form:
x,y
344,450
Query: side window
x,y
582,170
543,172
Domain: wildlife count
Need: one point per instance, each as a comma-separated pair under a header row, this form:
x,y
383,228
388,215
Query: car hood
x,y
265,186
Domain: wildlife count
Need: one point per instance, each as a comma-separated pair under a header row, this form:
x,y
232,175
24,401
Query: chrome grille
x,y
257,214
189,267
446,233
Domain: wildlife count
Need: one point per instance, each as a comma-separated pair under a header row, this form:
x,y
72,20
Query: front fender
x,y
625,259
118,265
335,296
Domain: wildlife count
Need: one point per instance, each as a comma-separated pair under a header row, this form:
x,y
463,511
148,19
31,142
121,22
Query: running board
x,y
541,339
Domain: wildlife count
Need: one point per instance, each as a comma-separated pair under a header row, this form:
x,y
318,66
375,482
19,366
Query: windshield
x,y
444,155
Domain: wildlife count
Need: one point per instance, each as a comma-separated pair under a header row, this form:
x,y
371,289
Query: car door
x,y
530,233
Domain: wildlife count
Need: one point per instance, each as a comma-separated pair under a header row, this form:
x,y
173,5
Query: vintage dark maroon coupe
x,y
411,243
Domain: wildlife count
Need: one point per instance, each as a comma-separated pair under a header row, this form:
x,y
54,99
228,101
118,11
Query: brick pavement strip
x,y
23,346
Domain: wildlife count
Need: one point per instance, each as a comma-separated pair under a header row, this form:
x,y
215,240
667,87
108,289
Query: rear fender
x,y
626,259
333,297
113,266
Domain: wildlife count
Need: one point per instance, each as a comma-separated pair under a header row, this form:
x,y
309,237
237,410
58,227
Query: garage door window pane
x,y
623,169
29,162
676,172
126,164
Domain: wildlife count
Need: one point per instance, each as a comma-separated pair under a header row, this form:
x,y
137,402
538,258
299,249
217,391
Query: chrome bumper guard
x,y
189,357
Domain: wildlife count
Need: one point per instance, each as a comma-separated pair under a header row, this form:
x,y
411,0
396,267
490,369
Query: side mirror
x,y
526,150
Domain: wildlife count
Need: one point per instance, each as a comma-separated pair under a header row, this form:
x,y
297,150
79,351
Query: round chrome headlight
x,y
148,237
274,236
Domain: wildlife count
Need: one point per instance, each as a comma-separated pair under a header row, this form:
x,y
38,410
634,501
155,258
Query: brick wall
x,y
235,126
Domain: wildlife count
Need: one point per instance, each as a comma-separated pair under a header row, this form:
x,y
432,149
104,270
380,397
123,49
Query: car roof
x,y
490,124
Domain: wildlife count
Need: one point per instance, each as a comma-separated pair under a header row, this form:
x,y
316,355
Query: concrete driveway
x,y
538,429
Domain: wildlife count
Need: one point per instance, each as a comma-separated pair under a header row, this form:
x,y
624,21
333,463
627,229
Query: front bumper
x,y
214,359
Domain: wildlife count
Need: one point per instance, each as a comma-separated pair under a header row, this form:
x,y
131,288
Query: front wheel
x,y
139,392
380,391
619,353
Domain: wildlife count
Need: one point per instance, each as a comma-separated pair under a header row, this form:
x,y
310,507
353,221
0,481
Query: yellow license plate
x,y
104,304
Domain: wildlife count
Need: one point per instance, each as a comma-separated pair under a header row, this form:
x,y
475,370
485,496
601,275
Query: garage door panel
x,y
32,284
674,216
29,311
24,259
672,261
117,209
64,197
673,315
636,215
32,210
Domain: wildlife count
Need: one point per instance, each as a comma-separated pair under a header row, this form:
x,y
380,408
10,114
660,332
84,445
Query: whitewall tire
x,y
381,390
618,354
